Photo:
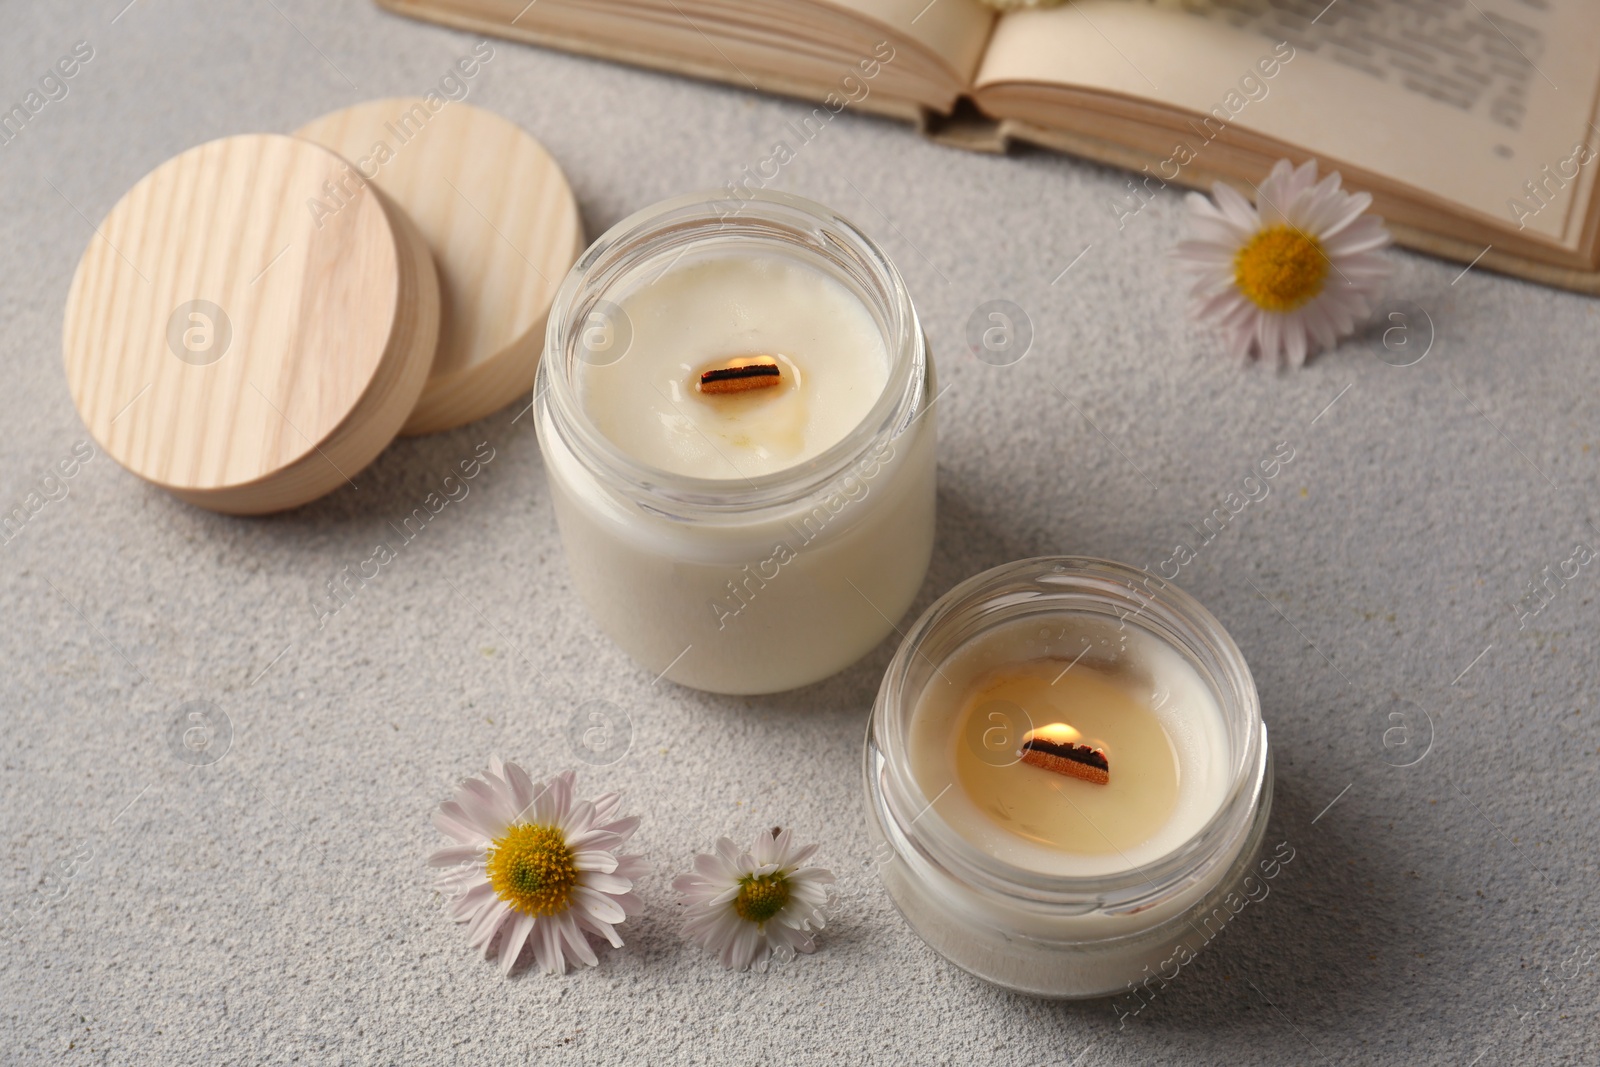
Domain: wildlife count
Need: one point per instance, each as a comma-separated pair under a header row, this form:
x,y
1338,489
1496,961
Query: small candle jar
x,y
734,534
1068,778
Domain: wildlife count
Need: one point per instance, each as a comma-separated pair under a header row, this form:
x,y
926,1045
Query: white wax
x,y
775,596
719,306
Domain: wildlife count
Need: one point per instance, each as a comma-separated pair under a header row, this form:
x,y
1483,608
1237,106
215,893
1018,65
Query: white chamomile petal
x,y
455,854
533,871
611,884
603,929
745,906
1220,305
1337,216
486,924
478,802
522,790
1292,274
595,860
521,927
1295,342
712,865
470,901
592,837
1202,250
454,823
573,941
1236,208
623,828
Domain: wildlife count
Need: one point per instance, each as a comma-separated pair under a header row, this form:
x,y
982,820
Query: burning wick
x,y
1055,748
741,374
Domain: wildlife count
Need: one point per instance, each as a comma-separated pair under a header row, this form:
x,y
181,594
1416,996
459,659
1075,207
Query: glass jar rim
x,y
666,228
1166,612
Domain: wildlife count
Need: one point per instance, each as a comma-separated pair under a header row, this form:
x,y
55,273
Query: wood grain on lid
x,y
228,343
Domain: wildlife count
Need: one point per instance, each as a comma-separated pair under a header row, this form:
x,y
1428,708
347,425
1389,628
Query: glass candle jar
x,y
734,545
993,882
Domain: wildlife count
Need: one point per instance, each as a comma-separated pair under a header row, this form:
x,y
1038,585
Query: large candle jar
x,y
734,407
1069,779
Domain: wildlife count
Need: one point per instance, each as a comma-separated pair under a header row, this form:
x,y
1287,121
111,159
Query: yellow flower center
x,y
531,868
761,897
1281,268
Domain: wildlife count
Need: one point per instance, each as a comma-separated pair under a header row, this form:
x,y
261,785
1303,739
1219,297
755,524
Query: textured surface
x,y
272,906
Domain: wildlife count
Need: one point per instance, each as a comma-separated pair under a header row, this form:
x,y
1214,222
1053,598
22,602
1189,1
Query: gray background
x,y
272,906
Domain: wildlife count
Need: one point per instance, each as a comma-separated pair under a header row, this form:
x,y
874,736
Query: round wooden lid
x,y
503,227
229,342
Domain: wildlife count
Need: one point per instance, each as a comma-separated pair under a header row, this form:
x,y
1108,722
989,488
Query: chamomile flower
x,y
1291,275
748,906
534,866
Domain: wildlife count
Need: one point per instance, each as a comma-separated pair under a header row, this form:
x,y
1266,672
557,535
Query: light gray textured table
x,y
273,906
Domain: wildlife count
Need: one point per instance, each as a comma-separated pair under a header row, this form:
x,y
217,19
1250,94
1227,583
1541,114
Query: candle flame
x,y
1056,733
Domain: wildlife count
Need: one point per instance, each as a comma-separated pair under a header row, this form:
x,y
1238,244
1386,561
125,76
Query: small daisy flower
x,y
747,906
1293,274
536,866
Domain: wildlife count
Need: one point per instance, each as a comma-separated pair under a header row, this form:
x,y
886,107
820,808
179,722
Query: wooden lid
x,y
229,343
501,221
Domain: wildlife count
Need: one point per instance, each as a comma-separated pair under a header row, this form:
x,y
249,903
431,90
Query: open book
x,y
1472,122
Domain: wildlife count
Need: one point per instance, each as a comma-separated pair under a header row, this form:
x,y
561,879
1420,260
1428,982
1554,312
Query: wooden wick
x,y
741,375
1052,748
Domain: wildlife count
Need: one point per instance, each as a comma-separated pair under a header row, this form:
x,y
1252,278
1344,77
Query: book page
x,y
955,30
898,57
1487,103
